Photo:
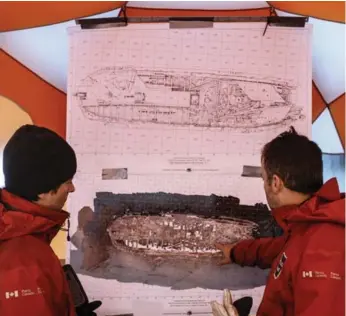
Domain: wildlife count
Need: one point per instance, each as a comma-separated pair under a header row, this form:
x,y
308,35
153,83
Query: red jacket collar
x,y
20,217
316,208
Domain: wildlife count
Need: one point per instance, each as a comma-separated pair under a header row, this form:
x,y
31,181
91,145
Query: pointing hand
x,y
226,251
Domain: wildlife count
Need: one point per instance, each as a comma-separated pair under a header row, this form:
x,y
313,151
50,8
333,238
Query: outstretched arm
x,y
257,252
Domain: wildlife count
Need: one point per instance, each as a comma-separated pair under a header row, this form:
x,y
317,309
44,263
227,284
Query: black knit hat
x,y
37,160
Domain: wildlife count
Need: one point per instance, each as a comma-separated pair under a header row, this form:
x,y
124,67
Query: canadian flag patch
x,y
13,294
307,274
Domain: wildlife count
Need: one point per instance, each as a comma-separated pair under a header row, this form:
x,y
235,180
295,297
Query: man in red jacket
x,y
308,262
38,166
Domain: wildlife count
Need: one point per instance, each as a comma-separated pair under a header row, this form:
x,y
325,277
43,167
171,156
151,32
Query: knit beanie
x,y
37,160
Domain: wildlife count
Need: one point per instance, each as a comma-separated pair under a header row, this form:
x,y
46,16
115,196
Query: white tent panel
x,y
44,50
325,135
2,40
334,166
328,57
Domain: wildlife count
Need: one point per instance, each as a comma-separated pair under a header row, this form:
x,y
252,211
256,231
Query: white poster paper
x,y
168,126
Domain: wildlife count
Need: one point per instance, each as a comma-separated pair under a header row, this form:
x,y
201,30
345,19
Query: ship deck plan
x,y
168,126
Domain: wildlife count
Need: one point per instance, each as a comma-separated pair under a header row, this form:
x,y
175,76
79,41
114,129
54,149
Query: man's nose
x,y
72,188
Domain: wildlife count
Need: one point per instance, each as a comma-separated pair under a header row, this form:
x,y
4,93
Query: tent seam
x,y
319,92
336,99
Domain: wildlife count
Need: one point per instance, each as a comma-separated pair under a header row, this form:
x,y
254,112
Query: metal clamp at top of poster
x,y
190,22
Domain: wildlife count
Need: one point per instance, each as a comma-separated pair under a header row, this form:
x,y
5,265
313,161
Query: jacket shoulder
x,y
321,238
325,233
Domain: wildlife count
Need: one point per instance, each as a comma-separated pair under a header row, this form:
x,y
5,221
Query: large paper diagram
x,y
168,126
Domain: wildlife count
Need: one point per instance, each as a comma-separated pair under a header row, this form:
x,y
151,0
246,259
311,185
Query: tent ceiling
x,y
328,57
325,10
44,50
27,14
23,15
34,95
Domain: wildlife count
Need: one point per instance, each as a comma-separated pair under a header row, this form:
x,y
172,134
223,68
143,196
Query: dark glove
x,y
243,305
88,308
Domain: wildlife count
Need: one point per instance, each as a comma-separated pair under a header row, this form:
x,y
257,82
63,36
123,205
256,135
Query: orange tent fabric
x,y
325,10
45,104
318,103
26,14
49,106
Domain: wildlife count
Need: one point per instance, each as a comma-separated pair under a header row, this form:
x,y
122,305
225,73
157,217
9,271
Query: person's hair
x,y
296,160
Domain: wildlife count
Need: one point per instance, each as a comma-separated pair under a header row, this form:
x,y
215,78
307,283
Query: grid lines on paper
x,y
220,51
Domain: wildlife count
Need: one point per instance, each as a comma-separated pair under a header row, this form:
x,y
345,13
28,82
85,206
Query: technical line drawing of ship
x,y
186,98
158,225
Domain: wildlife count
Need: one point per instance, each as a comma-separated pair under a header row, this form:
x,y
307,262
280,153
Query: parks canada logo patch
x,y
280,266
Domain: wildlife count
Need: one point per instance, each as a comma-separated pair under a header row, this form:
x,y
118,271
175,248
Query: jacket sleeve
x,y
257,252
32,291
319,287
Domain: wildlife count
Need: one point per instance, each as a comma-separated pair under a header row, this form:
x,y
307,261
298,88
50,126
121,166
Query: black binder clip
x,y
283,21
100,23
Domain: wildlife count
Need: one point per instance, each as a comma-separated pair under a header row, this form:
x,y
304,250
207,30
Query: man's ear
x,y
276,184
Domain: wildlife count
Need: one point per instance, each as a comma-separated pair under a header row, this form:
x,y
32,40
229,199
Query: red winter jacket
x,y
307,275
32,282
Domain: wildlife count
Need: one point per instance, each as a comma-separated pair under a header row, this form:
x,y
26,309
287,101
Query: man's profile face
x,y
56,200
267,185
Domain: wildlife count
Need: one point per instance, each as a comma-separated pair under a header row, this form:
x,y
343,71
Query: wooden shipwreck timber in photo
x,y
165,226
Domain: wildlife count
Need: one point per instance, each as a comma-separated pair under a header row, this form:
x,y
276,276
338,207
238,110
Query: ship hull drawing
x,y
169,239
129,95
